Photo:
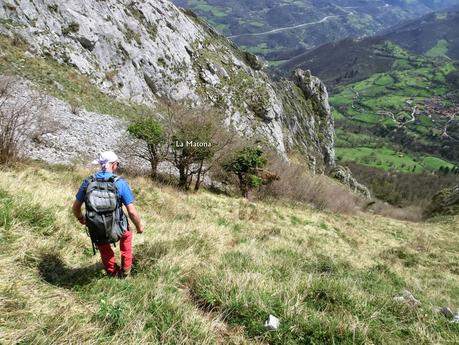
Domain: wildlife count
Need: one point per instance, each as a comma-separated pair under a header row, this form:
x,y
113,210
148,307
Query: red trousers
x,y
108,257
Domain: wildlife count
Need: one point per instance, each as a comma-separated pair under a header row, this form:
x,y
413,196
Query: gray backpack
x,y
105,218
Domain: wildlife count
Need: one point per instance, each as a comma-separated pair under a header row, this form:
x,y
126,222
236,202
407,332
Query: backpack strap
x,y
115,178
88,180
112,178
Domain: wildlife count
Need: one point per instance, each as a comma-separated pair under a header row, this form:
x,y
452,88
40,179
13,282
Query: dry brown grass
x,y
410,213
297,184
219,249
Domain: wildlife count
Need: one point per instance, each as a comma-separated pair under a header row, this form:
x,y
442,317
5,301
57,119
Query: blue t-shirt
x,y
124,191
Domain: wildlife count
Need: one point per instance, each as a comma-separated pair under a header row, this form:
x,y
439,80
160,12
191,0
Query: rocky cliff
x,y
141,51
446,201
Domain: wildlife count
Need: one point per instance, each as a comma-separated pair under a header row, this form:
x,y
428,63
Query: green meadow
x,y
381,106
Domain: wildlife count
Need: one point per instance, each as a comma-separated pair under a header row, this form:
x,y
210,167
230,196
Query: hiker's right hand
x,y
82,220
140,229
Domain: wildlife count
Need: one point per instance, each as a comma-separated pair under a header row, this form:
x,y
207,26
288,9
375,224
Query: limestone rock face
x,y
312,88
308,119
344,175
254,61
140,51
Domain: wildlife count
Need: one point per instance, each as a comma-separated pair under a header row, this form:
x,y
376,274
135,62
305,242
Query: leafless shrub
x,y
324,193
297,184
23,115
410,213
75,106
201,126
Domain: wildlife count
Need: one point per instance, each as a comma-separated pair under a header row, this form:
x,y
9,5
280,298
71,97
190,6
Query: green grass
x,y
440,49
61,81
367,118
261,48
383,158
275,63
349,139
32,215
383,80
210,269
341,99
216,11
434,163
366,104
337,115
386,158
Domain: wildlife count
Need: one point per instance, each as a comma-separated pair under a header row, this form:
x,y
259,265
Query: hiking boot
x,y
116,272
124,273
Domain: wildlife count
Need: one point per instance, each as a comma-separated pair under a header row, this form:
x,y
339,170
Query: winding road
x,y
445,129
347,10
324,19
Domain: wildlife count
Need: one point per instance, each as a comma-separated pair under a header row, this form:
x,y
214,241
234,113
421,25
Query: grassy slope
x,y
212,268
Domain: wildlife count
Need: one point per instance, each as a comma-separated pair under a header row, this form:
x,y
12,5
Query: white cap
x,y
106,157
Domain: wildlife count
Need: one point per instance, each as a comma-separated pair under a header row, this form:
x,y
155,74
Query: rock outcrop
x,y
142,51
58,134
305,94
445,201
344,175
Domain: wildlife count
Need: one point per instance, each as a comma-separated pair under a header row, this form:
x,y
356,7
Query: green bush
x,y
151,132
245,165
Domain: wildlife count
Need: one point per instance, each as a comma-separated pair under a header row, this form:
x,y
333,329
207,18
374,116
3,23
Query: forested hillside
x,y
282,29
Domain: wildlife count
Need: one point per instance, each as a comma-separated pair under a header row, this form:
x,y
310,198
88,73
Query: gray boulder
x,y
446,312
344,175
445,201
408,298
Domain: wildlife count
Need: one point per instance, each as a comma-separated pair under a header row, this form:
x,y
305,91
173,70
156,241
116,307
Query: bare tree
x,y
199,140
193,139
23,115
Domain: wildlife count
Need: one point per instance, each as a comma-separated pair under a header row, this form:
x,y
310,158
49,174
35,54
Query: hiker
x,y
104,195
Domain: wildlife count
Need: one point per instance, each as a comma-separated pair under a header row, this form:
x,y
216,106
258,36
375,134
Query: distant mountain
x,y
343,61
435,33
281,29
395,97
350,60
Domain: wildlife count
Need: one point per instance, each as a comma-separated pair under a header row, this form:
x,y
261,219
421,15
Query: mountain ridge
x,y
141,52
279,29
352,59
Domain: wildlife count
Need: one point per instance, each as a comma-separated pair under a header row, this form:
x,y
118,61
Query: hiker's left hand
x,y
82,220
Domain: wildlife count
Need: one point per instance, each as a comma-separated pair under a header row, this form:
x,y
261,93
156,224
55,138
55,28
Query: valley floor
x,y
211,269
